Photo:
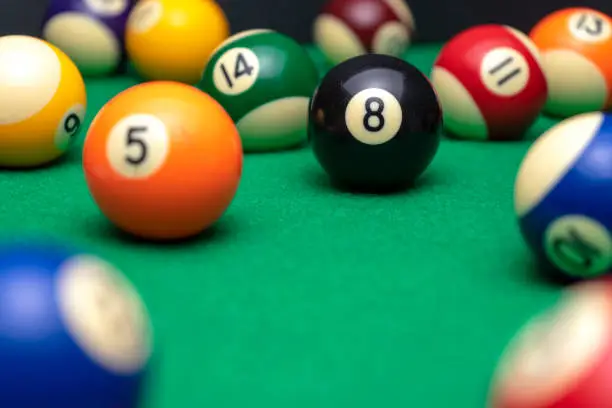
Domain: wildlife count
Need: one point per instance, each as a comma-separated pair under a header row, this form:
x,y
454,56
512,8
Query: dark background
x,y
437,20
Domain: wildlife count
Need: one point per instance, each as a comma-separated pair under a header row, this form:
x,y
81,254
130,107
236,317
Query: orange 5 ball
x,y
163,160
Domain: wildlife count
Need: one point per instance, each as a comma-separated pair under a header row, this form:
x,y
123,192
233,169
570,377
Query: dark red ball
x,y
349,28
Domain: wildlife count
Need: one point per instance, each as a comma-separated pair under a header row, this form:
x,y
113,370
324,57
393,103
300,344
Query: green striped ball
x,y
264,80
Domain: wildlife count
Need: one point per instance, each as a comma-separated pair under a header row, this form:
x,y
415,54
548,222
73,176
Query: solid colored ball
x,y
42,102
562,358
490,83
90,32
563,196
173,40
264,80
576,44
162,160
73,330
349,28
374,123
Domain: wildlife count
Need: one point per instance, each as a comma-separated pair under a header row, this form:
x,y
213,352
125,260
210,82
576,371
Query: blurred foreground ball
x,y
563,357
73,331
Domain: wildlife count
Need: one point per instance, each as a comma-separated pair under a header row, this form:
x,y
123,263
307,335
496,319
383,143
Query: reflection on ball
x,y
41,124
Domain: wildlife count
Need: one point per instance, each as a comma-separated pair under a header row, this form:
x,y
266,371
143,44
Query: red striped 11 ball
x,y
490,83
374,123
90,32
349,28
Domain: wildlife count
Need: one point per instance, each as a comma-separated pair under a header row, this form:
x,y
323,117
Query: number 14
x,y
241,67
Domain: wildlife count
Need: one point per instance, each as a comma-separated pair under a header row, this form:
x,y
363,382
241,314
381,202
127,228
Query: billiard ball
x,y
73,330
172,40
576,44
264,80
563,196
490,83
162,160
42,102
349,28
562,357
374,123
90,32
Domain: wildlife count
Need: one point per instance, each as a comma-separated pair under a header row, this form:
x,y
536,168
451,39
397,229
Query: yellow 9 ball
x,y
42,102
172,40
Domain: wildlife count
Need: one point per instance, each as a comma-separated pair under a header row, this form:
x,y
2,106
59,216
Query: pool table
x,y
304,296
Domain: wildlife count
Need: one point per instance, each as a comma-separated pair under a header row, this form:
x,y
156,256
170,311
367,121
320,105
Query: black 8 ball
x,y
374,123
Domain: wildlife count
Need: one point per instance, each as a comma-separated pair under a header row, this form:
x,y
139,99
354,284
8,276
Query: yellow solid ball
x,y
173,40
42,102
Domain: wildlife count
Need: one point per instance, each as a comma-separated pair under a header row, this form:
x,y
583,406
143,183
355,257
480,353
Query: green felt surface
x,y
303,296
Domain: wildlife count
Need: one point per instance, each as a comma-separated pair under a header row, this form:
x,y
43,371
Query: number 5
x,y
133,139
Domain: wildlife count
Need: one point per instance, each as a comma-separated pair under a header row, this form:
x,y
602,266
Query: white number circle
x,y
138,145
589,27
104,314
145,16
107,7
373,116
504,71
579,246
69,126
236,71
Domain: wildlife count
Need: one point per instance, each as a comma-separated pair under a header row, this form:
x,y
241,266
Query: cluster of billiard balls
x,y
563,197
162,40
374,124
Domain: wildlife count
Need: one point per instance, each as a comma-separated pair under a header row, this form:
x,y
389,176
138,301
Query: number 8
x,y
376,113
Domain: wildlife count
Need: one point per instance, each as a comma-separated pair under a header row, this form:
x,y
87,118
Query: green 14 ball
x,y
264,80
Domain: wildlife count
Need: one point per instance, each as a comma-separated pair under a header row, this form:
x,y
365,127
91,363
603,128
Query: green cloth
x,y
307,297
